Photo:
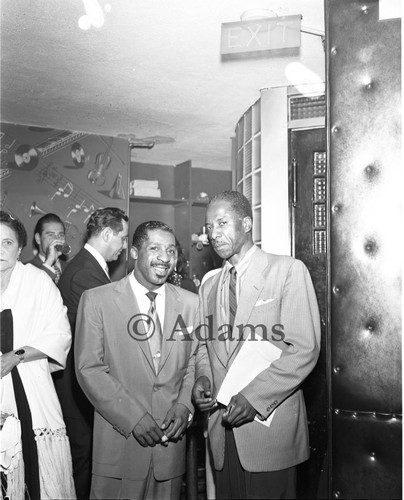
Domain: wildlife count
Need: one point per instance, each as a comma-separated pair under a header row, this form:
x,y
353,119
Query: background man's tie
x,y
57,271
232,299
155,335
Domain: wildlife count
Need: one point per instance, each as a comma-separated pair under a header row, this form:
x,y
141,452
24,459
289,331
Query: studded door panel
x,y
364,124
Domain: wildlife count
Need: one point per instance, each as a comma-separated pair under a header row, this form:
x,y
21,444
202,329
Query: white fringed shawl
x,y
40,321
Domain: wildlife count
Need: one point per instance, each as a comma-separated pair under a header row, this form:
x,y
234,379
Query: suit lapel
x,y
90,259
250,291
214,308
173,308
125,301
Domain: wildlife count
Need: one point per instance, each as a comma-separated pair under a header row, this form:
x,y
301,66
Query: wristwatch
x,y
20,353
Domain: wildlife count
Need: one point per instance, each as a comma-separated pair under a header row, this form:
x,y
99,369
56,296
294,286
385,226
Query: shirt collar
x,y
241,266
140,290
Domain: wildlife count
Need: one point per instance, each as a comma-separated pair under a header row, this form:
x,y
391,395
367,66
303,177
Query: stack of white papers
x,y
253,357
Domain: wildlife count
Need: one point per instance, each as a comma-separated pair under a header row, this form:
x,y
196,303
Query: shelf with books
x,y
185,192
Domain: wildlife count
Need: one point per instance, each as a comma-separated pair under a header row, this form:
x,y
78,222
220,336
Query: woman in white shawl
x,y
35,340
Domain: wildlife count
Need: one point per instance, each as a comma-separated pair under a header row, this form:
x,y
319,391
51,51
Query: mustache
x,y
161,264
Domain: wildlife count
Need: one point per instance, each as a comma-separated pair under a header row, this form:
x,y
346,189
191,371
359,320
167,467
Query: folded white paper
x,y
149,192
145,183
253,357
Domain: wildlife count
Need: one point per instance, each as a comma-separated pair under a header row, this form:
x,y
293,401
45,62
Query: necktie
x,y
154,333
232,298
57,271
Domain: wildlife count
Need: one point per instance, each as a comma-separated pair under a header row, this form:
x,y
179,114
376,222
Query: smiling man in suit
x,y
135,362
258,289
107,233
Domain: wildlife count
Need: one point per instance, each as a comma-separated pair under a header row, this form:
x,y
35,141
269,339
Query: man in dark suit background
x,y
49,236
107,233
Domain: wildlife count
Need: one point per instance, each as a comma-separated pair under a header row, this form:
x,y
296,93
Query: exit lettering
x,y
259,35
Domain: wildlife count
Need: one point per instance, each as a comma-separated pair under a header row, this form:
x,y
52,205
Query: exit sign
x,y
261,34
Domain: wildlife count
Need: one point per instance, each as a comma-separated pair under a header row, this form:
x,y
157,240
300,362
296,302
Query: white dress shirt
x,y
144,302
241,269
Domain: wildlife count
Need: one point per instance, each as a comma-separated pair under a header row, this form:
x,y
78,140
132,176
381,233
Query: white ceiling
x,y
152,70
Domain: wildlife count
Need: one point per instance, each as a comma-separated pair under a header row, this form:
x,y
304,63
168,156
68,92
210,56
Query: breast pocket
x,y
265,317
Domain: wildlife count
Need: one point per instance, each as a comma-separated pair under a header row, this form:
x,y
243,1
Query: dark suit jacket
x,y
82,273
37,262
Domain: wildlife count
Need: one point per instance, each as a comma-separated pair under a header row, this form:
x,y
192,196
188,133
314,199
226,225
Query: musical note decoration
x,y
83,203
61,191
82,207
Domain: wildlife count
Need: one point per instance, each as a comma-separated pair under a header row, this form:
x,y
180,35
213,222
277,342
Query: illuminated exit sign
x,y
261,34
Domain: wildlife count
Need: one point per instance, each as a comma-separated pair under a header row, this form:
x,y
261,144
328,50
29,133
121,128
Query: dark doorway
x,y
307,190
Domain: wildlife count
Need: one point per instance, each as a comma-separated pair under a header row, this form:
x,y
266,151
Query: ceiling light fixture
x,y
94,15
252,14
141,144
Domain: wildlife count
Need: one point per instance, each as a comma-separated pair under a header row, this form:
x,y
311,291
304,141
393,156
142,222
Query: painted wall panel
x,y
64,172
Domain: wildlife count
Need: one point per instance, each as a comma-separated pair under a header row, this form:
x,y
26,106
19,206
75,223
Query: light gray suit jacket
x,y
116,373
277,290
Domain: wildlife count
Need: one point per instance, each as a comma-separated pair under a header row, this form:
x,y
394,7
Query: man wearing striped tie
x,y
271,296
135,362
49,237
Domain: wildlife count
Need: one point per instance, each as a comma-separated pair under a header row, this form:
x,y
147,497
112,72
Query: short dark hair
x,y
142,231
15,225
238,202
45,219
106,217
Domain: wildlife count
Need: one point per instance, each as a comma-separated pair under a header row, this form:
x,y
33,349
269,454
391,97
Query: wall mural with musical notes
x,y
64,172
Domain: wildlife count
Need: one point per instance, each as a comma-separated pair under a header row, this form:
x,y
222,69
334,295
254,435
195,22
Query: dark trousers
x,y
233,482
80,433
